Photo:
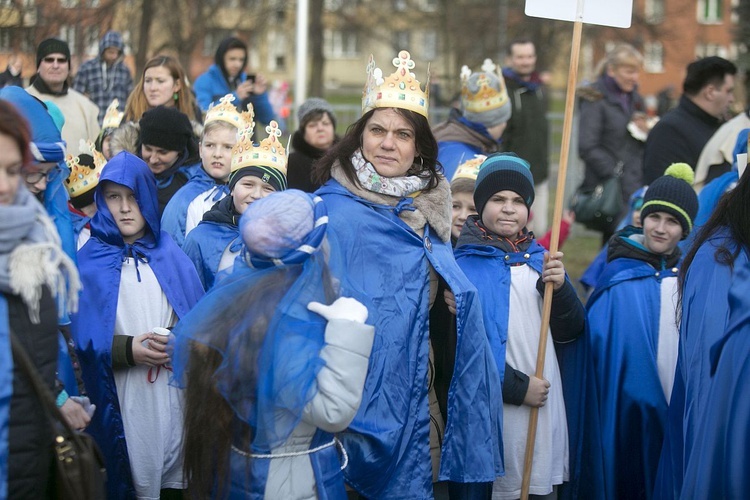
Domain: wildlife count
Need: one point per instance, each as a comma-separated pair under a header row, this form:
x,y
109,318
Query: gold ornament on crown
x,y
83,178
113,116
401,89
269,153
486,98
226,112
470,168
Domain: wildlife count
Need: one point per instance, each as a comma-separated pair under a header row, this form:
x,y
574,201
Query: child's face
x,y
124,208
463,207
661,232
216,152
505,214
247,190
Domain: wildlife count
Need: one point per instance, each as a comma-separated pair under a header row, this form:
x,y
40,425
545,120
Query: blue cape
x,y
388,441
705,314
6,392
718,466
93,326
487,267
623,331
212,86
205,245
174,218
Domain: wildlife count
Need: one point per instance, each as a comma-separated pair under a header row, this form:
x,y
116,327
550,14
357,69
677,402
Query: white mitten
x,y
342,308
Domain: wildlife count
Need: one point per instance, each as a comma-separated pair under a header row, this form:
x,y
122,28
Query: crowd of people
x,y
360,317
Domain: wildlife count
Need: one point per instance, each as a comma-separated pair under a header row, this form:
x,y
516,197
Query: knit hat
x,y
273,176
310,106
166,128
484,96
500,172
673,193
52,46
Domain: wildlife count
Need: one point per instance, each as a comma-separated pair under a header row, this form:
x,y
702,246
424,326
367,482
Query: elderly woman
x,y
389,208
613,130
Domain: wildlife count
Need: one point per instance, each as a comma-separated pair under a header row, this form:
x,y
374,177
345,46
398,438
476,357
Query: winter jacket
x,y
212,86
678,137
527,131
102,83
30,442
459,140
7,78
301,160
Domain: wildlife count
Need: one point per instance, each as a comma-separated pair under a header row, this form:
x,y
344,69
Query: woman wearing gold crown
x,y
389,207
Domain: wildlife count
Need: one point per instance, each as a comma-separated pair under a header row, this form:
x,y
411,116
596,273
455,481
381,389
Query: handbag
x,y
79,464
598,208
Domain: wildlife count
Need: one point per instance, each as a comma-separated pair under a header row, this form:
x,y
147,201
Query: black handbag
x,y
598,208
79,464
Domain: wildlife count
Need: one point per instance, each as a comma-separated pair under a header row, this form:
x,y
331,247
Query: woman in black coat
x,y
315,135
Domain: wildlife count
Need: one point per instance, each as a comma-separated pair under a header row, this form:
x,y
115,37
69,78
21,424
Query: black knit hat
x,y
673,193
52,46
272,176
166,128
501,171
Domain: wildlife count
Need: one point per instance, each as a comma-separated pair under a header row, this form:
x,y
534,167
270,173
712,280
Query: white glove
x,y
86,403
342,308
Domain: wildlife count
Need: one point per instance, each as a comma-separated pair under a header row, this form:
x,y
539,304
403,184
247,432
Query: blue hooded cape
x,y
205,245
387,267
174,218
623,331
705,315
489,268
93,326
718,466
6,392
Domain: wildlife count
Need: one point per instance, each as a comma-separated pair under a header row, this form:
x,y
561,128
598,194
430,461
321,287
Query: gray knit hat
x,y
310,106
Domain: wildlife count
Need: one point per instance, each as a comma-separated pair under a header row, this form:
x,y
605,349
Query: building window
x,y
709,11
653,57
429,5
429,45
6,43
68,4
276,51
334,5
400,5
654,11
402,40
340,44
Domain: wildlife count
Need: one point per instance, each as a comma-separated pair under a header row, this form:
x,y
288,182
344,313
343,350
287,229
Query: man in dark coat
x,y
708,91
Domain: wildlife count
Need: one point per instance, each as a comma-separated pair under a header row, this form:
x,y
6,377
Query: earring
x,y
175,96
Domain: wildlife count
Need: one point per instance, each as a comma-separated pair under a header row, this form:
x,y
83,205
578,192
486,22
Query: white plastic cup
x,y
162,334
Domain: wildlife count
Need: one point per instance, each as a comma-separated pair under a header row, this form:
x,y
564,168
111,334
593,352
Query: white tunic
x,y
550,465
199,206
151,410
669,336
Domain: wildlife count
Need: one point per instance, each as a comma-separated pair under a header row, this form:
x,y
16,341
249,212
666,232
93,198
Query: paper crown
x,y
226,112
83,178
401,89
113,116
486,97
469,169
269,153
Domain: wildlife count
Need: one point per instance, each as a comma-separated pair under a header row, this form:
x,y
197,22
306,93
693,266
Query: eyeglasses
x,y
34,177
58,60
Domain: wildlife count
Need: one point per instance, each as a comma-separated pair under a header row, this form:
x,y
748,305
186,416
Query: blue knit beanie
x,y
500,172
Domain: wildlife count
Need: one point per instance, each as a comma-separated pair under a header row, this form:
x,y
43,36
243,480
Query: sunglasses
x,y
58,60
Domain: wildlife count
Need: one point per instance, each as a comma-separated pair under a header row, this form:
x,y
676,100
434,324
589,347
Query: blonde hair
x,y
137,103
622,55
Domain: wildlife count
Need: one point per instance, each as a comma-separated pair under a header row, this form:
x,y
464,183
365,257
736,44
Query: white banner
x,y
615,13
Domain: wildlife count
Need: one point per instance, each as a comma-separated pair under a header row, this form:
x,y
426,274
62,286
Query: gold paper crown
x,y
225,111
269,153
469,169
113,116
83,178
486,98
399,90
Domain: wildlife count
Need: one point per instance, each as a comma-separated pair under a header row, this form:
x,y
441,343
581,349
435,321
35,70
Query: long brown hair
x,y
427,149
137,103
15,126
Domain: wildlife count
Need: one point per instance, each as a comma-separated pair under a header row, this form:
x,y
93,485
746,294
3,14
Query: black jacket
x,y
527,132
7,79
299,167
678,137
30,435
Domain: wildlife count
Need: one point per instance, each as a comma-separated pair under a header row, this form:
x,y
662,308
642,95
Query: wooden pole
x,y
554,243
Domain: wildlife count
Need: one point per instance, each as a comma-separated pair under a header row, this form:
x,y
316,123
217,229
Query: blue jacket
x,y
623,332
705,317
212,86
94,324
388,442
6,392
718,466
174,218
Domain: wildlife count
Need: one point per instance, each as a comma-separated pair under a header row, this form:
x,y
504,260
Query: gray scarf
x,y
31,256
